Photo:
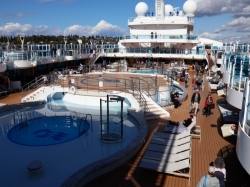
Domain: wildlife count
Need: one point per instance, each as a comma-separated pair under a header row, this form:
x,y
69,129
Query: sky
x,y
221,20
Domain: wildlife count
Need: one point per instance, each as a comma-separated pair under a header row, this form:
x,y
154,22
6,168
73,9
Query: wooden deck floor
x,y
211,145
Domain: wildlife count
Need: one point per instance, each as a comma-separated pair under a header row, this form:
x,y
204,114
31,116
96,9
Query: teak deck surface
x,y
202,153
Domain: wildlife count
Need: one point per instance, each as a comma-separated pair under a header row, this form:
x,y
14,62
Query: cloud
x,y
216,7
244,37
241,24
103,28
27,29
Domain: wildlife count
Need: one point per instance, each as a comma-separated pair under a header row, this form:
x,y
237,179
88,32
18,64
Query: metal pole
x,y
122,118
107,113
101,116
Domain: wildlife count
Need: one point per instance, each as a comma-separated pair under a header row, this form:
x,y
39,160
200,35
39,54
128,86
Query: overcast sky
x,y
215,19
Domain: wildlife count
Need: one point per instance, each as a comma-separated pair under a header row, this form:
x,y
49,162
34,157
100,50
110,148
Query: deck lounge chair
x,y
165,156
170,142
168,149
175,168
192,130
213,87
177,129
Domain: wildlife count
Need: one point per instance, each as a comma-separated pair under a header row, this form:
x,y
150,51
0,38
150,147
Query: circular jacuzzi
x,y
45,131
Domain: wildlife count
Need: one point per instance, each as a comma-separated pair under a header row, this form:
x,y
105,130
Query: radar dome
x,y
190,8
168,9
141,9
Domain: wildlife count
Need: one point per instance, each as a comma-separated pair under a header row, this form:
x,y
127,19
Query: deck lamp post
x,y
102,46
231,42
91,41
237,40
65,42
225,46
80,43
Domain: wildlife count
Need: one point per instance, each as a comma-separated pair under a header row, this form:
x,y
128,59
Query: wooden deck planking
x,y
202,152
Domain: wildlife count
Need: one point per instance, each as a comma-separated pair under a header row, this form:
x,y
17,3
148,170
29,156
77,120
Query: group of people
x,y
216,174
199,82
175,98
200,69
195,100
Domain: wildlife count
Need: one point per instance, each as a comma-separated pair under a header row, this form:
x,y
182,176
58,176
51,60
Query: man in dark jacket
x,y
195,100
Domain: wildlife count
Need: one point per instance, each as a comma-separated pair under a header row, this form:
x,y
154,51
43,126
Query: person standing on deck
x,y
195,100
209,180
197,49
197,68
208,103
194,82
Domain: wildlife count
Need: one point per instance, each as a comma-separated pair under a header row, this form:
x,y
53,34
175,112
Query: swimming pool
x,y
44,131
62,159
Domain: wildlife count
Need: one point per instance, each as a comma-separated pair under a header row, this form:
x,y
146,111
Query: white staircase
x,y
156,111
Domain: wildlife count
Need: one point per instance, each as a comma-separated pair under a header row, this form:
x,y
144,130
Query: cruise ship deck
x,y
202,152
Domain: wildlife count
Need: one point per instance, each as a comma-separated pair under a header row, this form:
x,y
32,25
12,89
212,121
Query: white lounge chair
x,y
171,136
192,130
213,87
168,149
170,142
175,168
175,128
166,157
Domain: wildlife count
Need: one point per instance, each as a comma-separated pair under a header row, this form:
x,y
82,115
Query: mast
x,y
159,10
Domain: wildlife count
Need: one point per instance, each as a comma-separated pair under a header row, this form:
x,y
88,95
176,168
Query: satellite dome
x,y
190,8
141,9
168,9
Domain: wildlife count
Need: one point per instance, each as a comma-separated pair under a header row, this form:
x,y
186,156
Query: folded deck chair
x,y
168,149
166,157
165,167
170,142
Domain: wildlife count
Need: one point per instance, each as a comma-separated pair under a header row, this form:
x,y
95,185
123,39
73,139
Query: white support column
x,y
245,104
232,78
229,68
241,69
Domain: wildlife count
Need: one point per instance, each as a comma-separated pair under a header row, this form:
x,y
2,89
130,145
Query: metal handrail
x,y
79,127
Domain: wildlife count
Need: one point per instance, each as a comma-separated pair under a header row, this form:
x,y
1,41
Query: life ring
x,y
72,90
74,115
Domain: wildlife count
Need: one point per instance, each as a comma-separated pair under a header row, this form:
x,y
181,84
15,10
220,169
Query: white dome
x,y
190,8
141,9
168,9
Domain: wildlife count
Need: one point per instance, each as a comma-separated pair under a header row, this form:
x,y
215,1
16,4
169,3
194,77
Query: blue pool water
x,y
48,130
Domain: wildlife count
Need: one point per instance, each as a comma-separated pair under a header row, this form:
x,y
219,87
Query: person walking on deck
x,y
209,180
194,82
208,103
195,100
